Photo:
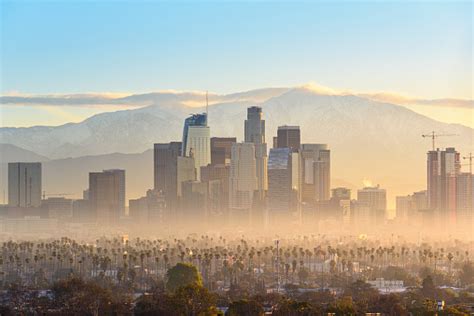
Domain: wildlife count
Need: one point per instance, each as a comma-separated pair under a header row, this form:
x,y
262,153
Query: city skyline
x,y
238,158
241,185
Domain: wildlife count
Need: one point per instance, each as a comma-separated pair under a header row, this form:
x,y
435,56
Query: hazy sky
x,y
419,49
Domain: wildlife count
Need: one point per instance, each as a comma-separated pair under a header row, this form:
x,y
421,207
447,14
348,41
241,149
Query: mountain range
x,y
369,139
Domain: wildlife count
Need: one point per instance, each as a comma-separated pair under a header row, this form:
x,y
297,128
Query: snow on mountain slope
x,y
369,139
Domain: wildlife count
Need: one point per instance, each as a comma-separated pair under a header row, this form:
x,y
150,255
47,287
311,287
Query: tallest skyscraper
x,y
197,141
255,133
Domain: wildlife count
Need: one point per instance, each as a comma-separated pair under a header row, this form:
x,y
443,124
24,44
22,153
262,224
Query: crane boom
x,y
55,194
433,136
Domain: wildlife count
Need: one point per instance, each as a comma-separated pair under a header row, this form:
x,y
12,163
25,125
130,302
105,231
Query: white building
x,y
198,145
387,286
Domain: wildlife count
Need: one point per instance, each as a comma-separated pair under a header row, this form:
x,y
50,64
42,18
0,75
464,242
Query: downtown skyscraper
x,y
24,184
171,169
197,141
316,172
242,181
283,186
255,133
289,137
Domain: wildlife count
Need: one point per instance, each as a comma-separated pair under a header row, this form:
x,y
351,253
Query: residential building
x,y
443,166
465,198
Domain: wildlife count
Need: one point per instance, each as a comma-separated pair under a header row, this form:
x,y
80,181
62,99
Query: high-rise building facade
x,y
289,137
197,141
185,171
24,184
283,185
171,169
443,166
255,133
316,172
465,198
375,199
217,177
107,195
165,158
221,148
242,180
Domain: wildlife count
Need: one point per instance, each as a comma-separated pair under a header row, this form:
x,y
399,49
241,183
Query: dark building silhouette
x,y
24,184
289,137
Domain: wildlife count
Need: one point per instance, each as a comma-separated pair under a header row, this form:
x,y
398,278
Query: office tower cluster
x,y
449,194
204,180
220,182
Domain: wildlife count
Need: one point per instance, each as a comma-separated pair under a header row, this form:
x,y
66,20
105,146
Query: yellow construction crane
x,y
433,136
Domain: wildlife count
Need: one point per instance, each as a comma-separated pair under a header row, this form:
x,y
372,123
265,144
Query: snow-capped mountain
x,y
369,139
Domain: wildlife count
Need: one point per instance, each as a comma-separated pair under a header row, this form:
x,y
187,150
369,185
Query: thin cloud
x,y
404,100
197,98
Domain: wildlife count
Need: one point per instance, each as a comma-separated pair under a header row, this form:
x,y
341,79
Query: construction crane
x,y
433,136
55,194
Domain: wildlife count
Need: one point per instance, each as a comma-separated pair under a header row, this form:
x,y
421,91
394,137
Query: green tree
x,y
290,307
245,307
398,273
466,275
428,288
342,306
388,305
194,300
361,291
158,304
181,275
74,296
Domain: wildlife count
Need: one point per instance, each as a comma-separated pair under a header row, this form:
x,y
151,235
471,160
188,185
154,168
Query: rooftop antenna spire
x,y
207,107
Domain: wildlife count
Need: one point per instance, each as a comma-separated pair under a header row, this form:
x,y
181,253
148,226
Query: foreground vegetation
x,y
204,275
